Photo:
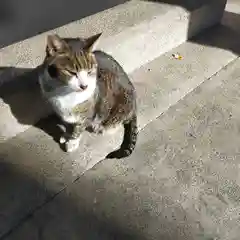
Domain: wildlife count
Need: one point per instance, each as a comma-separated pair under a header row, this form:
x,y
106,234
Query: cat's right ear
x,y
91,42
55,45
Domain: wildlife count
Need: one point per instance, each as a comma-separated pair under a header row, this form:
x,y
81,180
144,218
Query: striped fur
x,y
89,90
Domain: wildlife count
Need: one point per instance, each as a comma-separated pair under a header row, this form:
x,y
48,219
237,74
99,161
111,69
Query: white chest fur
x,y
64,104
63,100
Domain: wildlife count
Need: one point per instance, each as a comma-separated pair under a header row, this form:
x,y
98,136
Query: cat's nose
x,y
82,86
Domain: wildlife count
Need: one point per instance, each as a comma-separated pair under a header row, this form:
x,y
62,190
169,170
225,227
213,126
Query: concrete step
x,y
36,169
182,182
137,28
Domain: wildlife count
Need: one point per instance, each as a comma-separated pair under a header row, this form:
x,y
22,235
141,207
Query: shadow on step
x,y
87,210
19,89
223,36
67,217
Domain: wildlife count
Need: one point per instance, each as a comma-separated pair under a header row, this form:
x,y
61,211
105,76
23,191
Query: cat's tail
x,y
129,140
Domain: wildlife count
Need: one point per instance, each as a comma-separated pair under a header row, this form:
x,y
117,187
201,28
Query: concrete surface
x,y
36,170
26,18
182,182
124,33
132,27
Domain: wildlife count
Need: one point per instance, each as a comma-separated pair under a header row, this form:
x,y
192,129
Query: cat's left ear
x,y
91,42
55,44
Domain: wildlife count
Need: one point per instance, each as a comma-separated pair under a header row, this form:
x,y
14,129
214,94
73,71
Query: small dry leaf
x,y
177,56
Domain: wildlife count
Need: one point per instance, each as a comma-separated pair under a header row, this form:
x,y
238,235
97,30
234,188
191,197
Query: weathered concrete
x,y
47,170
129,30
182,182
135,28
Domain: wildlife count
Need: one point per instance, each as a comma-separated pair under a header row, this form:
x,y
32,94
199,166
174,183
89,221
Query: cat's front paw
x,y
62,140
72,145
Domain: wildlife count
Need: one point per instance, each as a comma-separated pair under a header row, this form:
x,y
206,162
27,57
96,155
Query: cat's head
x,y
76,69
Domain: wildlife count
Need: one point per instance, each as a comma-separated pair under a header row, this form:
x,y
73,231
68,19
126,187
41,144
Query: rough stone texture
x,y
182,182
134,28
20,95
150,39
34,167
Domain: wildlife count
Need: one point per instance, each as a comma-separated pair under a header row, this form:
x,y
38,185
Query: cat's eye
x,y
52,70
72,72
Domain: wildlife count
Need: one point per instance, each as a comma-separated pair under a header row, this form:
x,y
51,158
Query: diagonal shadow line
x,y
88,223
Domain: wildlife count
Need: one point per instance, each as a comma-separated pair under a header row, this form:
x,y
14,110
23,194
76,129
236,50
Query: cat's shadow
x,y
20,91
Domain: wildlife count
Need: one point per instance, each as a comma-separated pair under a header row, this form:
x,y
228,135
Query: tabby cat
x,y
89,90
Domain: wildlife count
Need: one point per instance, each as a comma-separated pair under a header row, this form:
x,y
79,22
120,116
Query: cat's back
x,y
108,63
